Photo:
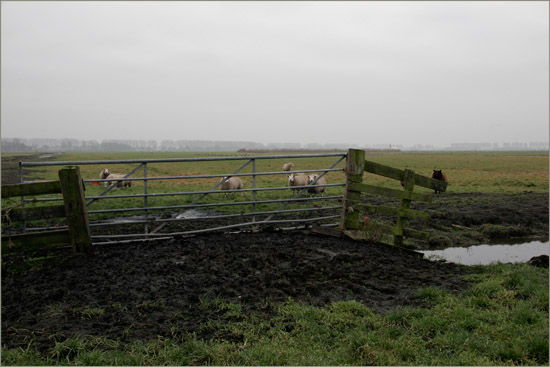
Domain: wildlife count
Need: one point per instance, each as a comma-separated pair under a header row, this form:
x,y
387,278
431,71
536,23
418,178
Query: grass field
x,y
491,172
496,172
508,172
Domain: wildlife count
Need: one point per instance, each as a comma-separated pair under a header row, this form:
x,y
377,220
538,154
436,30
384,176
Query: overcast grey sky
x,y
328,72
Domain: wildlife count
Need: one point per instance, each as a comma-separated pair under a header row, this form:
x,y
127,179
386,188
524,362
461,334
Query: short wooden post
x,y
408,183
355,165
75,209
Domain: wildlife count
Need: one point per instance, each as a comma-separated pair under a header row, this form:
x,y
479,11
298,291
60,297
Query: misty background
x,y
251,75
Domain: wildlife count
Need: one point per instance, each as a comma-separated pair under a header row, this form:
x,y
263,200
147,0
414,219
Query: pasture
x,y
491,172
481,172
291,298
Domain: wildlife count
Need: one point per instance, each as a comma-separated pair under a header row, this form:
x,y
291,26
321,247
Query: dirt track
x,y
145,290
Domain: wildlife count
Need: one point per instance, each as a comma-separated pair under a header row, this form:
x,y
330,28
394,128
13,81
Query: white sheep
x,y
231,183
316,190
288,166
297,179
119,183
103,175
107,174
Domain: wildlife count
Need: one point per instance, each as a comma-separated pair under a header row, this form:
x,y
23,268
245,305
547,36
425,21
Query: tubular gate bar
x,y
148,220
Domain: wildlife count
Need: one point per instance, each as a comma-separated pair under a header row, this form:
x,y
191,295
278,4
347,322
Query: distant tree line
x,y
117,145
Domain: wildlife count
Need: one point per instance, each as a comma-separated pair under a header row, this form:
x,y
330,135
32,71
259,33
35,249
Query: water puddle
x,y
192,213
188,214
488,254
128,219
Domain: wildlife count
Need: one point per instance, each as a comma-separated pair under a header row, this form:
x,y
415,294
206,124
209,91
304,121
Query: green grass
x,y
467,171
484,172
501,320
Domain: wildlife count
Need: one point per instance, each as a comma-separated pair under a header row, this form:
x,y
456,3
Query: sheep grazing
x,y
288,166
231,183
297,179
119,183
439,175
316,190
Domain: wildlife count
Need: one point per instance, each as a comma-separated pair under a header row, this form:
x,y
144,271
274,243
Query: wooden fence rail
x,y
354,207
73,208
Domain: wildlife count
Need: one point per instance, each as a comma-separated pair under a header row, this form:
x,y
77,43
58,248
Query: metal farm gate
x,y
149,224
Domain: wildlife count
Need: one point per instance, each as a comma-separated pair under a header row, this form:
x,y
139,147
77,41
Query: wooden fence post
x,y
408,183
355,165
75,209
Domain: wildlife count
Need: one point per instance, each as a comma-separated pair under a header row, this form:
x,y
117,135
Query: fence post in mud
x,y
355,164
408,185
75,209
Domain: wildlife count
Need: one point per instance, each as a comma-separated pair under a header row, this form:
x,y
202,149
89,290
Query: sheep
x,y
296,180
231,183
106,173
288,166
103,175
119,183
316,190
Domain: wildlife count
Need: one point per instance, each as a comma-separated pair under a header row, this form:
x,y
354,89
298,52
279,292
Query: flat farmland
x,y
483,172
288,297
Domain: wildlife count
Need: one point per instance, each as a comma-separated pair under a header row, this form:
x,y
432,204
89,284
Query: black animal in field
x,y
439,175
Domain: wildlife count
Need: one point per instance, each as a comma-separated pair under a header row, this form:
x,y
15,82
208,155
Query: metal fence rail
x,y
250,161
286,188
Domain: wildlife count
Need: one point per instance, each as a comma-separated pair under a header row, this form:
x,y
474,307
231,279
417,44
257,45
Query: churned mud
x,y
471,219
167,288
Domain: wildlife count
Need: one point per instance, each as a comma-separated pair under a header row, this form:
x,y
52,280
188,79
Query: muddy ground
x,y
468,219
139,291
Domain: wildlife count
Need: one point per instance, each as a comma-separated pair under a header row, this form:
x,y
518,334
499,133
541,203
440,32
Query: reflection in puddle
x,y
487,254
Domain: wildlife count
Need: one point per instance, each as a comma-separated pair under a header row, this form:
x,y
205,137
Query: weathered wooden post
x,y
355,165
408,184
75,209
